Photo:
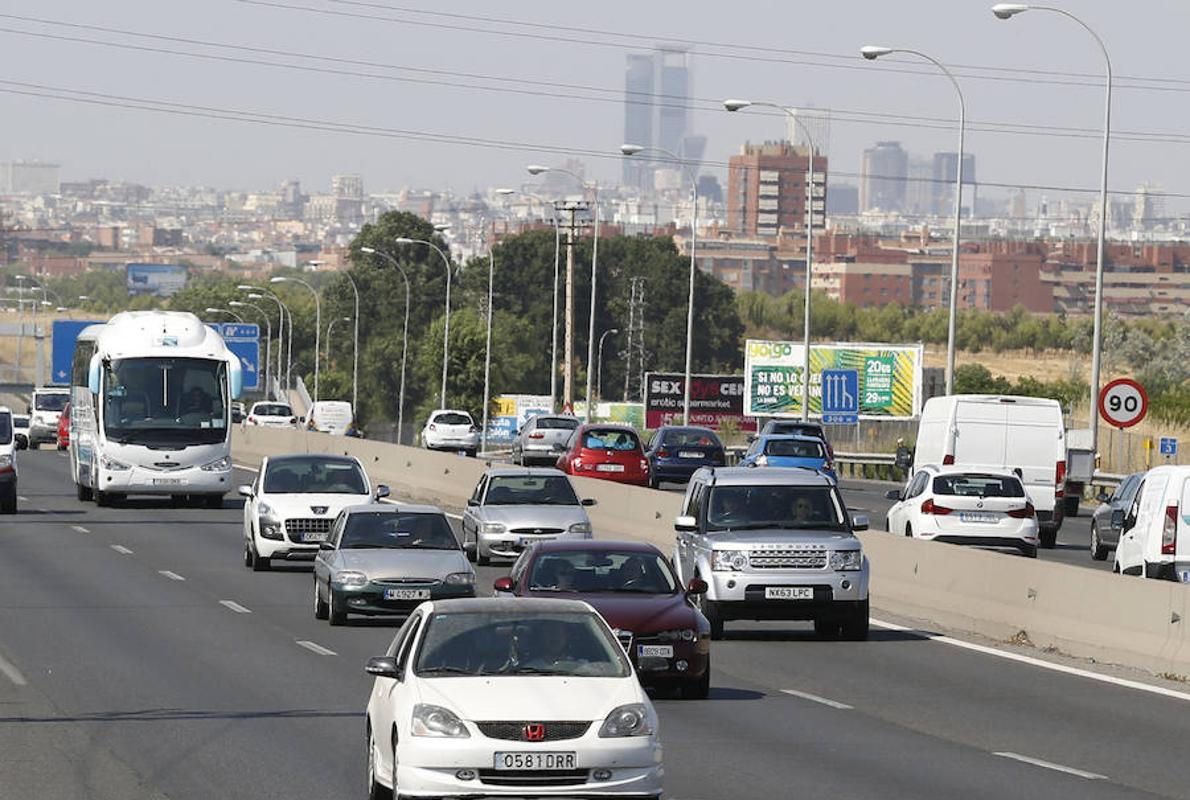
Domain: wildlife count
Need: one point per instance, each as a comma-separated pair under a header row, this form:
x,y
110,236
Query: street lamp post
x,y
738,105
1007,11
317,320
631,150
354,346
487,358
268,337
327,356
872,52
599,382
446,321
260,293
228,311
404,336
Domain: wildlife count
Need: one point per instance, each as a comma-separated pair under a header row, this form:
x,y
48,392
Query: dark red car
x,y
608,452
64,428
637,591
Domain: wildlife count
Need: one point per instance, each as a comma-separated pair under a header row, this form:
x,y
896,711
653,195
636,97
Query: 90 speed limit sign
x,y
1123,402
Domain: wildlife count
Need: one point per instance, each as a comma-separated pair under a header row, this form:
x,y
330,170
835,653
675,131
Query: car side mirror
x,y
1103,496
326,545
685,524
383,667
382,491
589,501
503,584
244,491
1117,519
859,522
471,501
892,494
696,586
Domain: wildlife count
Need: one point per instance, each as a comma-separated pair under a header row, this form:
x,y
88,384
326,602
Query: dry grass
x,y
1017,364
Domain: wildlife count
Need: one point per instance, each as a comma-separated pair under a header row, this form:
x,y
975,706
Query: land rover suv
x,y
773,544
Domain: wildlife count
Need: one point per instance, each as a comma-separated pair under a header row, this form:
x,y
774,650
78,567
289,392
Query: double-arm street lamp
x,y
404,335
317,320
446,321
227,311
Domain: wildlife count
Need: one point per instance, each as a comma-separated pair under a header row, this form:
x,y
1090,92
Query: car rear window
x,y
971,485
272,410
793,448
452,418
556,424
610,440
5,428
691,438
795,429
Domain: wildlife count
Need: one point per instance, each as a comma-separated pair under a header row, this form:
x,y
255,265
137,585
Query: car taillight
x,y
663,453
1023,513
930,507
433,427
474,429
577,464
1169,533
718,457
948,459
252,420
537,436
1060,480
293,420
644,465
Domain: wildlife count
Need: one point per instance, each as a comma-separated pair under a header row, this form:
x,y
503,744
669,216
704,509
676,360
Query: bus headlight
x,y
218,465
112,465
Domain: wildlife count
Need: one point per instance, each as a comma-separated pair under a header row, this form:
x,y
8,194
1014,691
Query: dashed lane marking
x,y
234,606
1037,762
79,528
314,647
119,548
173,576
9,670
817,699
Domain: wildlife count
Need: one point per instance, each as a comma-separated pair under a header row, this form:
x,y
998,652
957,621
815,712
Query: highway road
x,y
139,659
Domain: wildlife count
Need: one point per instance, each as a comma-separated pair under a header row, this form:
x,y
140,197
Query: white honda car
x,y
449,429
290,507
966,505
516,697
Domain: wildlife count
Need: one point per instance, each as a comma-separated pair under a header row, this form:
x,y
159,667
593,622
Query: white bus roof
x,y
156,333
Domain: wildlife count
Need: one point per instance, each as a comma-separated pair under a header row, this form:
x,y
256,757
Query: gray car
x,y
514,507
387,560
1104,537
541,439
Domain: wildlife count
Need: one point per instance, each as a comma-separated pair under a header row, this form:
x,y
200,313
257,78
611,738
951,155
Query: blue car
x,y
674,453
777,450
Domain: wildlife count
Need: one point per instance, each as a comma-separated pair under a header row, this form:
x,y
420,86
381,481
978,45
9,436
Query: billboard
x,y
163,280
714,399
509,412
617,413
890,377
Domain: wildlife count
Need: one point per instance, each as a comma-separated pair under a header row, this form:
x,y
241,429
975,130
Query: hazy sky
x,y
821,39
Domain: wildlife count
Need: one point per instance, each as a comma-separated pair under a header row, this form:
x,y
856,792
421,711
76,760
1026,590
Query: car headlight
x,y
459,578
270,525
493,527
630,720
351,580
218,465
729,560
847,559
580,527
112,465
431,720
679,635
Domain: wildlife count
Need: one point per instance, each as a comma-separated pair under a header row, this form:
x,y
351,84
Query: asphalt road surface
x,y
139,659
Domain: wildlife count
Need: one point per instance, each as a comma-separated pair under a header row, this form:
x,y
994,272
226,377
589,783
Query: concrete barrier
x,y
1082,612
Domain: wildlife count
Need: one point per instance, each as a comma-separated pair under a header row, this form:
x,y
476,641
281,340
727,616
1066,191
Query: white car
x,y
271,415
509,697
966,505
450,429
293,502
1155,528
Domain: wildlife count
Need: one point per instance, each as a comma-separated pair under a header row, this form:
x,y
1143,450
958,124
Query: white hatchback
x,y
450,429
271,415
966,505
517,697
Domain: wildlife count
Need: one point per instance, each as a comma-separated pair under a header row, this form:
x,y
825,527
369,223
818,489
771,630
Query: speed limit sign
x,y
1123,402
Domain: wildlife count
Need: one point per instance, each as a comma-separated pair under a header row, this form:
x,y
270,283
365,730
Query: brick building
x,y
766,188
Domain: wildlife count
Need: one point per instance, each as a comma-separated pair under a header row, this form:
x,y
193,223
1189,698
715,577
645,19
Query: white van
x,y
330,416
1155,530
1006,431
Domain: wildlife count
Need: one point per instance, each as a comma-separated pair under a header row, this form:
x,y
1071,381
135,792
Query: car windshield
x,y
519,642
598,571
390,530
271,410
5,428
50,402
968,485
556,423
793,429
690,438
452,418
775,506
793,448
20,422
610,440
314,475
530,490
165,401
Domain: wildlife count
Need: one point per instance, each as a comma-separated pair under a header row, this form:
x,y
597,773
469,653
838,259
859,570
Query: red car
x,y
634,588
609,452
64,428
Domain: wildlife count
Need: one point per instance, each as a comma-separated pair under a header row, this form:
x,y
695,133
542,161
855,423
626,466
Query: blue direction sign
x,y
840,396
63,336
1168,446
244,340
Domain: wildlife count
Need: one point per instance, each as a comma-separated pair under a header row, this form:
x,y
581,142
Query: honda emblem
x,y
534,732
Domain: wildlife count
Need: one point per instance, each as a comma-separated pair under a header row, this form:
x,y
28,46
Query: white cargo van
x,y
330,416
1006,431
1155,535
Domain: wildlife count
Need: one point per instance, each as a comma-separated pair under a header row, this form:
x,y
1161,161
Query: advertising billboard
x,y
163,280
509,412
714,399
889,377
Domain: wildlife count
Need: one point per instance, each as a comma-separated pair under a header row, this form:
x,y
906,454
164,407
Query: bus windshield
x,y
165,401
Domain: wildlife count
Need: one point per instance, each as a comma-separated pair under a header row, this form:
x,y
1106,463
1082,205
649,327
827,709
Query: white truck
x,y
45,407
1025,435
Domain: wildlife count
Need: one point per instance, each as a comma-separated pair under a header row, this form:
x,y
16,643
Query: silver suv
x,y
773,544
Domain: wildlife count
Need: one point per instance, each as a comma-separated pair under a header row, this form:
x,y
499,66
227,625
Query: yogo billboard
x,y
714,399
890,377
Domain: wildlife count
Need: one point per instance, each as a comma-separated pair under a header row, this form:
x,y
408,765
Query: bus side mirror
x,y
93,375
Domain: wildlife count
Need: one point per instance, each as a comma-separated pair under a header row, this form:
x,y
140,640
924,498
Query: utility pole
x,y
572,209
636,335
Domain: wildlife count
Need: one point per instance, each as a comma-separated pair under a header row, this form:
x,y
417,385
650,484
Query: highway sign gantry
x,y
1123,403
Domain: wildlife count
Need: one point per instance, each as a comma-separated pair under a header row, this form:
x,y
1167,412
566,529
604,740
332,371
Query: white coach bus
x,y
150,403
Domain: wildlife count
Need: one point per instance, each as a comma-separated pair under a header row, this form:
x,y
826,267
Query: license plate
x,y
168,481
655,651
314,536
609,467
689,454
535,761
529,541
977,516
788,593
406,594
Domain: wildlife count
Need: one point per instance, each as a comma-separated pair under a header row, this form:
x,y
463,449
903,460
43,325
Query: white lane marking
x,y
173,576
43,511
1037,662
119,548
314,647
11,672
246,468
79,528
22,498
1037,762
234,606
817,699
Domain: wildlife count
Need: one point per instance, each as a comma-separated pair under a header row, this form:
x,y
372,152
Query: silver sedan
x,y
514,507
541,439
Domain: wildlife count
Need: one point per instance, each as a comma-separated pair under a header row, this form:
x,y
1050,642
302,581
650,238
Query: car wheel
x,y
213,501
1098,551
480,559
827,628
336,615
1029,551
855,627
470,549
1048,537
699,688
653,482
707,607
102,498
376,790
260,563
82,492
909,531
8,503
248,555
321,610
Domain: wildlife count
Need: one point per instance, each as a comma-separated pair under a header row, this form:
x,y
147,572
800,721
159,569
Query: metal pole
x,y
809,223
355,349
568,363
554,345
690,304
599,381
487,358
591,327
